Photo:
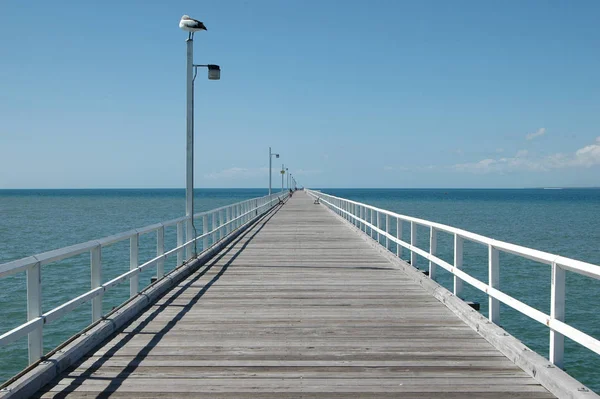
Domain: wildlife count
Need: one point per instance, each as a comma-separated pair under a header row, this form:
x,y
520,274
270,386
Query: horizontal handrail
x,y
366,218
226,219
574,265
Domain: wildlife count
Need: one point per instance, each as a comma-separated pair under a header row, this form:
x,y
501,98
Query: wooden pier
x,y
299,305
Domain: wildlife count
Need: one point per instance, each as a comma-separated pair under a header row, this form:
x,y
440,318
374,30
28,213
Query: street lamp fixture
x,y
214,71
191,26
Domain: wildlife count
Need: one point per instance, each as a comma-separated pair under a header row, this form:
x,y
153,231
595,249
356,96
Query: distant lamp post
x,y
282,173
191,26
271,154
287,181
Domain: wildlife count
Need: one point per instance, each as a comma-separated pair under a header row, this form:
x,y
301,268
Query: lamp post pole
x,y
270,166
189,165
282,173
191,25
269,170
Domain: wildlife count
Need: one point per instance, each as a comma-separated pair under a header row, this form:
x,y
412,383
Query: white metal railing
x,y
223,221
367,219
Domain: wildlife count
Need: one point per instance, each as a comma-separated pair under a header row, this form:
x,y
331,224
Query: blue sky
x,y
351,93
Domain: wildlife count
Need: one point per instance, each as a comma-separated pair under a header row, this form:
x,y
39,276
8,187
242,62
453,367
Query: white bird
x,y
191,25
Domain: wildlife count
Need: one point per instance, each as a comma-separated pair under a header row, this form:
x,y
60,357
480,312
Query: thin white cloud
x,y
540,132
584,157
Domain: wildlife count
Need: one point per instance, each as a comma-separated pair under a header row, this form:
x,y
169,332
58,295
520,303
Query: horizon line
x,y
279,190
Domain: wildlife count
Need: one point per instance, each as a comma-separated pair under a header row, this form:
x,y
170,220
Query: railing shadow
x,y
117,381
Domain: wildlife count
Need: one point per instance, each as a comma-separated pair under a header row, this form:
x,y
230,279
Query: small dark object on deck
x,y
425,272
317,201
153,280
474,305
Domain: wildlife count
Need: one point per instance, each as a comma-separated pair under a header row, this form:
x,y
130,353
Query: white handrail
x,y
363,217
226,219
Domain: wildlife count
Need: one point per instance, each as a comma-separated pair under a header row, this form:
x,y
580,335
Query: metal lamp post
x,y
214,73
270,162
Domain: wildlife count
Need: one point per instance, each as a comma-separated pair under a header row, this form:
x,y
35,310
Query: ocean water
x,y
565,222
35,221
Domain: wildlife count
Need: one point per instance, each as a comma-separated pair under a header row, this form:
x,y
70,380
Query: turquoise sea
x,y
565,222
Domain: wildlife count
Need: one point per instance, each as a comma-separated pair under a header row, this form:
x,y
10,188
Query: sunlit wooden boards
x,y
298,306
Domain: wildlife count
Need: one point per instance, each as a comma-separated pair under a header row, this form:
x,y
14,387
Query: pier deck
x,y
298,306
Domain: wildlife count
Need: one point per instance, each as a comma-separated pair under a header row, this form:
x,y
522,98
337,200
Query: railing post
x,y
387,230
458,264
190,233
96,281
374,223
34,310
160,249
377,226
432,251
557,312
133,264
214,227
227,220
234,215
413,242
204,231
363,226
221,224
180,243
494,281
399,237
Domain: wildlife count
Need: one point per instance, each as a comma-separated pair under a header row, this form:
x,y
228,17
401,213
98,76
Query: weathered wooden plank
x,y
295,395
348,385
299,306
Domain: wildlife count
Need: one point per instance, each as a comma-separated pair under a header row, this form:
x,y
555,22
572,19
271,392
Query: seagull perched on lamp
x,y
191,25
